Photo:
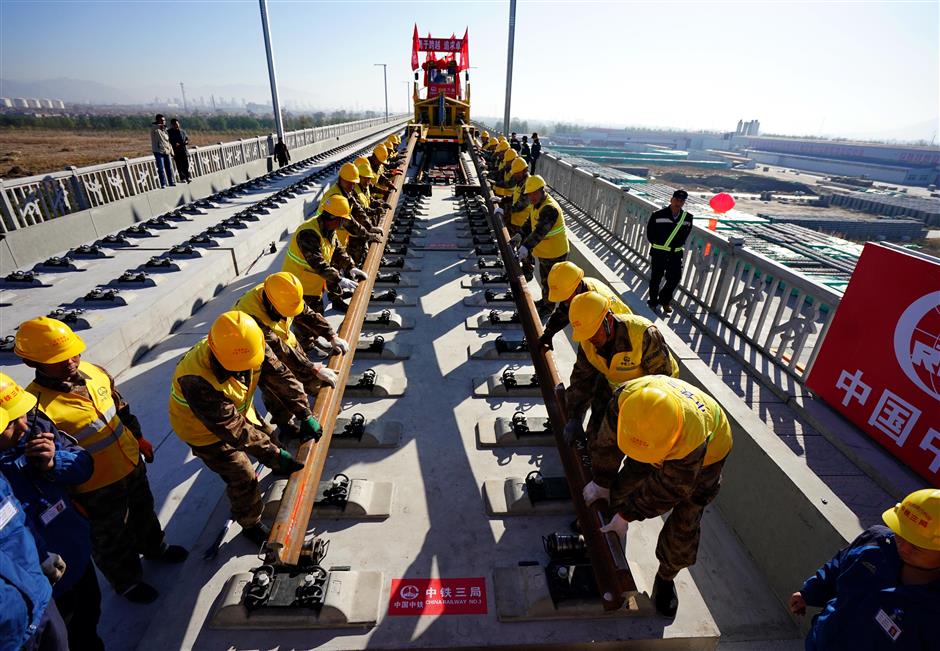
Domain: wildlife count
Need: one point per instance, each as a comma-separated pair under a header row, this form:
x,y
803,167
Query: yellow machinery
x,y
443,114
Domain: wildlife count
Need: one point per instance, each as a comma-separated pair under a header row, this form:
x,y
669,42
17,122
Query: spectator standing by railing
x,y
536,151
281,153
524,149
162,150
179,140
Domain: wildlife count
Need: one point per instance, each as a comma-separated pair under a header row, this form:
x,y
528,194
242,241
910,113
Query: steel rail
x,y
612,574
293,515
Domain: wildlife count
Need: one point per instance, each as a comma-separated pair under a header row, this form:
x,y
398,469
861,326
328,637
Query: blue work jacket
x,y
24,590
45,494
864,605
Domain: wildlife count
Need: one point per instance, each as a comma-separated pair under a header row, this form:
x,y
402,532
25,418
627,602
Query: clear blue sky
x,y
863,68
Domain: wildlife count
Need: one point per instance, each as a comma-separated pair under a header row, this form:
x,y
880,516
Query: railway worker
x,y
42,464
613,348
489,151
672,440
565,281
543,236
518,203
358,232
883,590
316,257
667,231
211,410
502,146
503,186
392,144
83,401
383,180
375,207
484,139
273,305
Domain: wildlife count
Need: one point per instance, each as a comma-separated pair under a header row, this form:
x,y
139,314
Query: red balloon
x,y
721,202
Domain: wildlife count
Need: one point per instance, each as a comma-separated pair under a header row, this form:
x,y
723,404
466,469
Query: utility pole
x,y
275,104
183,93
512,38
212,97
385,79
407,96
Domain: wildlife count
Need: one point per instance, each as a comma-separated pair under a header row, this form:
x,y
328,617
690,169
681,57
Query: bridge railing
x,y
35,199
777,310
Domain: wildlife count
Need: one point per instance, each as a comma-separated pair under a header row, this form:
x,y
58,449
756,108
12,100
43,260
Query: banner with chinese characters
x,y
416,597
440,44
880,362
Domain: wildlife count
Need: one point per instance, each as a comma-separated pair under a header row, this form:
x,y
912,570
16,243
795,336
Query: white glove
x,y
326,374
339,345
357,273
522,252
618,525
347,285
498,212
592,492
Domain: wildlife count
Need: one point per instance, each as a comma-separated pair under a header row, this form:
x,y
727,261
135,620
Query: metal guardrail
x,y
35,199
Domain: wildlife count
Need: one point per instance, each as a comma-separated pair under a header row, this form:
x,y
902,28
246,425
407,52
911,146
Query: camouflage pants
x,y
123,526
302,369
677,547
545,266
238,473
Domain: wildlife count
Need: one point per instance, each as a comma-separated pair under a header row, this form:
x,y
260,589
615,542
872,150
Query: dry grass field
x,y
24,152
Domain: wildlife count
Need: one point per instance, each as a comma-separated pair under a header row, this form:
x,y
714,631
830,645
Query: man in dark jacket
x,y
883,590
514,141
179,140
281,153
42,463
536,150
667,231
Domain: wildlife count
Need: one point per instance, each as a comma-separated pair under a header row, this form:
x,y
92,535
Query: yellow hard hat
x,y
587,312
4,419
518,165
486,134
492,143
47,341
533,183
502,146
380,152
336,205
917,518
348,172
14,398
389,143
649,424
365,170
285,292
503,139
237,342
563,280
397,138
510,155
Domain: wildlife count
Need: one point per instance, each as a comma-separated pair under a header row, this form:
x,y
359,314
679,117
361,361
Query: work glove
x,y
573,431
339,345
386,205
378,232
545,340
374,239
310,429
326,374
286,462
146,449
618,525
522,252
592,492
498,212
53,567
357,273
515,240
347,285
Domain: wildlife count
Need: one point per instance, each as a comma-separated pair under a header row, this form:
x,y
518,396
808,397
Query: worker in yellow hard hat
x,y
502,185
883,590
661,447
517,204
543,236
484,139
383,179
211,410
83,401
614,347
317,258
565,281
273,305
375,207
358,232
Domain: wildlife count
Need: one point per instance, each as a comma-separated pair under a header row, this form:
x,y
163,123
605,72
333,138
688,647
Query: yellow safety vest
x,y
703,419
342,235
555,243
627,365
617,306
182,419
295,263
94,423
519,217
252,304
501,172
365,196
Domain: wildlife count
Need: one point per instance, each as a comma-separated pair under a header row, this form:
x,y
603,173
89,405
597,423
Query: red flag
x,y
465,51
414,49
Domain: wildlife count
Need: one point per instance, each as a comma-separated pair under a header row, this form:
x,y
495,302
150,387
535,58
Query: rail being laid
x,y
36,199
774,308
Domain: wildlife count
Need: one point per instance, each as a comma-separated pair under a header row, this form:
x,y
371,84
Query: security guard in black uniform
x,y
667,231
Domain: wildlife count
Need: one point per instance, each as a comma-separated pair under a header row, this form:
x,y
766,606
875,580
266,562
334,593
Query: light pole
x,y
512,37
385,79
275,104
407,96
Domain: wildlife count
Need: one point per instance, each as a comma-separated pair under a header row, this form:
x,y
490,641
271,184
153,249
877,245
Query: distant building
x,y
6,102
20,102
